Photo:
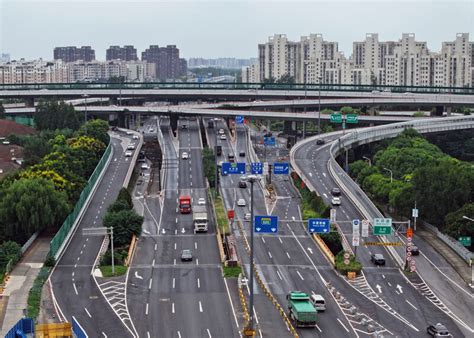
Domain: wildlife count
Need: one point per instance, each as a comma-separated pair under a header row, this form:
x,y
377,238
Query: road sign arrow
x,y
183,231
258,229
399,287
379,288
163,231
146,231
137,275
273,229
310,250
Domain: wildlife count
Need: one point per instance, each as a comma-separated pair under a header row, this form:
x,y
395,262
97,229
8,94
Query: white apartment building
x,y
250,74
405,62
39,71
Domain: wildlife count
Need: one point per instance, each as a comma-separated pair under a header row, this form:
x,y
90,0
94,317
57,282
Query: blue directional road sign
x,y
282,168
233,168
318,225
269,140
239,119
266,224
256,168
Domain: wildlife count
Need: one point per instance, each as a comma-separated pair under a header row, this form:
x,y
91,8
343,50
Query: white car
x,y
336,201
145,166
247,216
128,132
131,147
135,137
241,202
201,201
221,131
128,153
223,137
184,155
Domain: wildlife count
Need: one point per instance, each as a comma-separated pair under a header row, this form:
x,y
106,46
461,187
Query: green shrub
x,y
34,296
353,266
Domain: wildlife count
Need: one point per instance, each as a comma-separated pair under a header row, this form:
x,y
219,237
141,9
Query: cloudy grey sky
x,y
204,28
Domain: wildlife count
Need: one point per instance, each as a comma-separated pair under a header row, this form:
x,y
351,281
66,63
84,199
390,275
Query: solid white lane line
x,y
88,313
174,283
200,306
146,309
340,322
179,334
149,284
231,304
199,283
148,334
299,275
413,306
75,289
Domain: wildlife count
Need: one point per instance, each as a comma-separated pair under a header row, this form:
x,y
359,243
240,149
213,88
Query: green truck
x,y
301,311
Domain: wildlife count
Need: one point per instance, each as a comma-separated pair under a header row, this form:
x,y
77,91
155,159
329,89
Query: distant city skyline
x,y
218,29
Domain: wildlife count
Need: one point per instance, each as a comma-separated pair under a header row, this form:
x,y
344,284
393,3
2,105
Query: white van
x,y
318,302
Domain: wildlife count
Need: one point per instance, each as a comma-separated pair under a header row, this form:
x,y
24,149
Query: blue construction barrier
x,y
21,329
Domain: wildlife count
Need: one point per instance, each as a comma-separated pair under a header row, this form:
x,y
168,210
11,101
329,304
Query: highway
x,y
74,287
171,298
388,283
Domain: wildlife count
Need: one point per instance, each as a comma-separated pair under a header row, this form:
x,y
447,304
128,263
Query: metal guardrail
x,y
464,253
239,86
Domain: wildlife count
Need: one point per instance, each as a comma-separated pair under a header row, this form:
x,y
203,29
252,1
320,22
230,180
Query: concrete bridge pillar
x,y
174,121
448,111
30,102
304,129
288,127
438,111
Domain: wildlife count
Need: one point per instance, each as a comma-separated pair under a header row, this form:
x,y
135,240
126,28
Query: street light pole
x,y
468,218
215,155
367,159
391,174
319,105
85,96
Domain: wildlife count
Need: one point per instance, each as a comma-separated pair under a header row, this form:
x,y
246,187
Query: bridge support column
x,y
448,111
438,111
30,102
304,130
174,121
288,127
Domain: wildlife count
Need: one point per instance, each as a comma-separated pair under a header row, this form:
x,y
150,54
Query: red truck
x,y
185,204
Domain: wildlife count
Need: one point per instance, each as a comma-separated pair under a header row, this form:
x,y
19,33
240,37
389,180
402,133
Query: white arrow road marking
x,y
324,194
311,174
183,231
310,250
399,287
137,275
379,288
146,231
324,174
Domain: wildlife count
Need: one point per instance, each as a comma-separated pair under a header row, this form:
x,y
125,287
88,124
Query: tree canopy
x,y
53,115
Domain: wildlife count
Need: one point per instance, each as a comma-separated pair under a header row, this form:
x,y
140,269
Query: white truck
x,y
200,219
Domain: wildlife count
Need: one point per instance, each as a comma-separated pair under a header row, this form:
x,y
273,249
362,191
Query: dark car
x,y
438,330
186,255
183,126
336,192
242,154
320,141
415,251
377,259
242,184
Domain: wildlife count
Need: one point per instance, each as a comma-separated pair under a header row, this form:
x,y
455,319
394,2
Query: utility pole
x,y
215,155
319,105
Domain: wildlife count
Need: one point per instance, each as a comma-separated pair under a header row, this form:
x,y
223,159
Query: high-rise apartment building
x,y
37,71
251,74
167,61
73,54
4,58
405,62
125,53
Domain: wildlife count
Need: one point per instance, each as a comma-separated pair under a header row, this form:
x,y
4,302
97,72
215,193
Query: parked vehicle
x,y
377,259
219,150
301,310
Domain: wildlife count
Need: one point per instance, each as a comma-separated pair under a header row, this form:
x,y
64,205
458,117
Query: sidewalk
x,y
453,258
15,297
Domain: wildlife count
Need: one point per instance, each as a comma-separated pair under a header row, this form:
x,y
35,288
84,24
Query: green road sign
x,y
465,240
352,118
382,226
336,118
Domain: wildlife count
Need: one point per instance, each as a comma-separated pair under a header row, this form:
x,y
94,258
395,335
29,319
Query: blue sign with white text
x,y
318,225
269,140
266,224
239,119
256,168
282,168
233,168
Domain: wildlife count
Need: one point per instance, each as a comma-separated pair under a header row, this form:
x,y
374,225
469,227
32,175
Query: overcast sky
x,y
223,28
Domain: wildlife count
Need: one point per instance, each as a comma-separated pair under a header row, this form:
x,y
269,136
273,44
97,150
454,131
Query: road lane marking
x,y
209,333
269,254
172,311
146,309
149,284
263,239
199,283
279,238
148,334
340,322
88,313
153,263
299,275
75,289
104,334
200,307
174,263
279,275
73,273
413,306
156,246
179,334
174,283
137,275
175,245
197,261
195,245
288,255
319,329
